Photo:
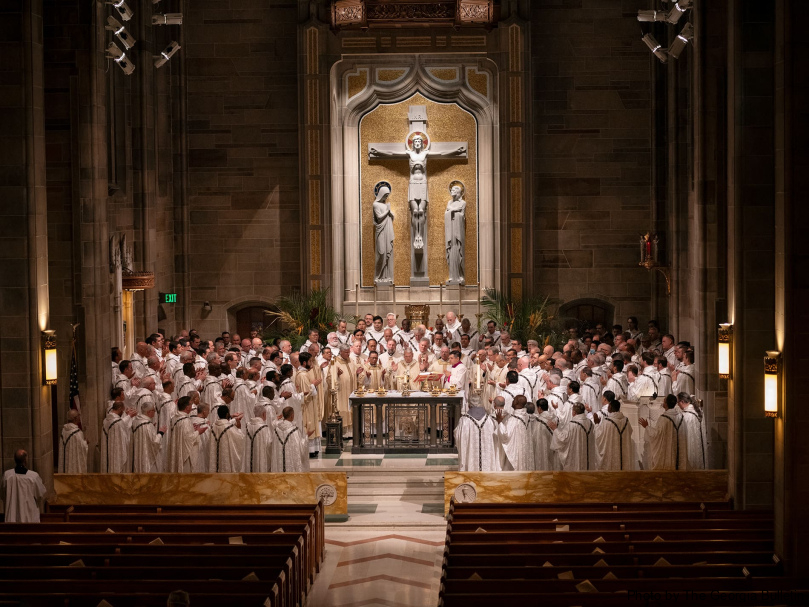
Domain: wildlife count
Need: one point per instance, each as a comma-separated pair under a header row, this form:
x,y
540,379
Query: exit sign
x,y
167,298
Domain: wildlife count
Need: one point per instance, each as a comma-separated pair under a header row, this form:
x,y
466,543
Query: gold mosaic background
x,y
445,122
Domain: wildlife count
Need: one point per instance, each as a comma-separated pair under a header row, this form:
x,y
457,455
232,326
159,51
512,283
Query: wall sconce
x,y
725,336
206,307
771,368
48,358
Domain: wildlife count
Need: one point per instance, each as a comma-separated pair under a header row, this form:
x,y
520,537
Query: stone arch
x,y
587,310
236,309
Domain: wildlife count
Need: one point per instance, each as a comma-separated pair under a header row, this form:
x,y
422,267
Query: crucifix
x,y
417,148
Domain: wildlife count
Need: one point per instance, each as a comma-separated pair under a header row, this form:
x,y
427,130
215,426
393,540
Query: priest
x,y
144,446
512,390
343,377
289,447
72,446
456,375
541,435
115,441
307,386
474,436
22,489
257,442
613,437
405,371
227,443
512,438
184,441
575,442
695,431
667,440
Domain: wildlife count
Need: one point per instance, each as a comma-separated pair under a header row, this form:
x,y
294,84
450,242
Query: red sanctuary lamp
x,y
649,257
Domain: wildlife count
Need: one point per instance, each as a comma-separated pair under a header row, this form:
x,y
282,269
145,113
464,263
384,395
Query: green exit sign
x,y
166,298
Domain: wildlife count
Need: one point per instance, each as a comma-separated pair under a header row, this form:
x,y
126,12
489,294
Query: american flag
x,y
74,381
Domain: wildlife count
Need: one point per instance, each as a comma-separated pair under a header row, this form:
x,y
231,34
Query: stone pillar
x,y
25,411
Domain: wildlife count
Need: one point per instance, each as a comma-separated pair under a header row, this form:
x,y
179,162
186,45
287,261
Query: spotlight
x,y
124,36
651,15
122,8
119,56
681,41
656,48
678,10
166,54
167,19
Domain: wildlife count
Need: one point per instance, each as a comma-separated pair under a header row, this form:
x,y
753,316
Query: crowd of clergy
x,y
236,404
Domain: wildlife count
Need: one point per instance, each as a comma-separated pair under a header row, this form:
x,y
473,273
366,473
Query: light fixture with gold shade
x,y
49,357
725,337
772,363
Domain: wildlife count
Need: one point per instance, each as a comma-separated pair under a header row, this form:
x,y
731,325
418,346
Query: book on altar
x,y
426,376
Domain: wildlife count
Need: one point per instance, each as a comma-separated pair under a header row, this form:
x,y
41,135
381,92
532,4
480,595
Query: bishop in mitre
x,y
667,439
512,440
144,451
539,429
613,436
227,443
474,436
575,441
257,442
115,441
72,446
184,440
290,449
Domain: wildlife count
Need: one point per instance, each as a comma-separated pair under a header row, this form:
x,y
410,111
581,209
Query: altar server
x,y
115,441
575,441
667,440
72,446
474,436
613,437
290,449
22,489
512,439
144,451
695,431
257,442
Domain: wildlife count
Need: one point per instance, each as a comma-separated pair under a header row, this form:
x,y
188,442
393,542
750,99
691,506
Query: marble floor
x,y
388,551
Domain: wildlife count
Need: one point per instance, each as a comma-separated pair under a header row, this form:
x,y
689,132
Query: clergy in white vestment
x,y
542,435
667,439
528,378
512,439
474,437
289,395
374,373
257,442
144,445
682,379
496,382
226,446
72,446
616,381
664,387
244,396
456,375
184,439
512,390
575,442
452,328
22,489
613,436
211,391
556,396
115,441
290,449
694,421
590,390
640,385
166,410
308,386
405,371
202,425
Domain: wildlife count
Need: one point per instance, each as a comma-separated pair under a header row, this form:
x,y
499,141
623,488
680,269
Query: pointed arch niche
x,y
359,85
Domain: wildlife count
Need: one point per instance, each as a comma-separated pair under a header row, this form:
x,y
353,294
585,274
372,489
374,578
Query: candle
x,y
375,312
479,364
440,296
356,299
479,297
333,375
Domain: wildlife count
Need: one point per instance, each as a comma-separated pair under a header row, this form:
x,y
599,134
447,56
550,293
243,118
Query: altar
x,y
417,423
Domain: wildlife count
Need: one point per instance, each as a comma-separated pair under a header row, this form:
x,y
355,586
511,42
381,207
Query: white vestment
x,y
664,387
541,436
114,445
685,379
290,448
697,443
144,446
201,463
509,394
20,495
72,450
257,446
295,401
514,443
667,442
558,405
475,441
183,444
226,447
614,444
575,444
642,386
529,381
618,385
458,378
590,392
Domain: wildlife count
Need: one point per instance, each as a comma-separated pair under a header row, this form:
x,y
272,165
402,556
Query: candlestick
x,y
479,298
478,384
478,316
375,312
357,300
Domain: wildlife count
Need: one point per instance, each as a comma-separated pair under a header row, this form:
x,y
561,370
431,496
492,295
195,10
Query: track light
x,y
124,36
122,8
656,48
167,19
671,16
119,56
652,15
166,54
681,41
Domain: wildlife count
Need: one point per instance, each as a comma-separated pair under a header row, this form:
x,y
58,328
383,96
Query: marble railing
x,y
571,487
190,489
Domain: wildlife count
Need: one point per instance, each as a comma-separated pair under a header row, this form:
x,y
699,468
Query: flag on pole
x,y
73,397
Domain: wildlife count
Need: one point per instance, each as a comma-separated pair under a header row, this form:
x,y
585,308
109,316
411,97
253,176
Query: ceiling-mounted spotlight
x,y
656,48
672,15
122,8
166,54
124,36
167,19
652,15
119,56
681,41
